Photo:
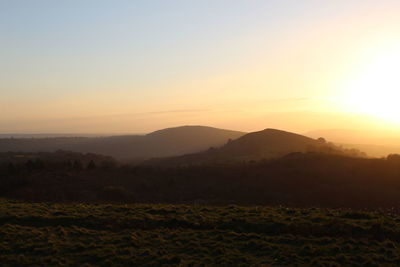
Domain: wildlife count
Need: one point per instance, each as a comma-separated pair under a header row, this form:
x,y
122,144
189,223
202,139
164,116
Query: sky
x,y
97,66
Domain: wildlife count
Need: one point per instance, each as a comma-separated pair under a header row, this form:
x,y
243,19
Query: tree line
x,y
297,179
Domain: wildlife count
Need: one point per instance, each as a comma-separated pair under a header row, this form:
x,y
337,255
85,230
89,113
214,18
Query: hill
x,y
265,144
269,143
162,143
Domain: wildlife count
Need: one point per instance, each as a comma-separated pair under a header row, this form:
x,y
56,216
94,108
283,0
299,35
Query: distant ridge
x,y
162,143
49,135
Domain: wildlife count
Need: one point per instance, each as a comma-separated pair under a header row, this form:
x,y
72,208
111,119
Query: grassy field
x,y
154,235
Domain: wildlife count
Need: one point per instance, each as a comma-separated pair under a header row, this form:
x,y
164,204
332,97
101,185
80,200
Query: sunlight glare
x,y
375,89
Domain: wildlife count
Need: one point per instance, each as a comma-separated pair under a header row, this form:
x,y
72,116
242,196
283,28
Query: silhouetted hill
x,y
162,143
266,144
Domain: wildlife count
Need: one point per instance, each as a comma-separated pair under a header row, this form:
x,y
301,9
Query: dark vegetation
x,y
158,235
297,179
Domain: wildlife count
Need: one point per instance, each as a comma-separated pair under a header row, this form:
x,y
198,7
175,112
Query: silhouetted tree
x,y
393,157
108,165
39,164
77,165
91,165
11,168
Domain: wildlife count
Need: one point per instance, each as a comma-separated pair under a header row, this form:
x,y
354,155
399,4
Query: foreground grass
x,y
139,235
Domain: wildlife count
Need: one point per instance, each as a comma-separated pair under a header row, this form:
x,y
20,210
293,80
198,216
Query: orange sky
x,y
103,67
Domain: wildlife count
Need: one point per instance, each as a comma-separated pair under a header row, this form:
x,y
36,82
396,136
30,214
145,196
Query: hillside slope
x,y
268,143
265,144
374,143
163,143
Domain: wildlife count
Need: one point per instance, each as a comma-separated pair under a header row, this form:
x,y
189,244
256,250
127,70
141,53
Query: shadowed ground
x,y
104,235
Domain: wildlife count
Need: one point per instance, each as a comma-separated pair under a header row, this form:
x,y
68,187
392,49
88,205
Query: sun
x,y
374,89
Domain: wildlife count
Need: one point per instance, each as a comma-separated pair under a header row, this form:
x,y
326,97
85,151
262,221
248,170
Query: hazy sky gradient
x,y
134,66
